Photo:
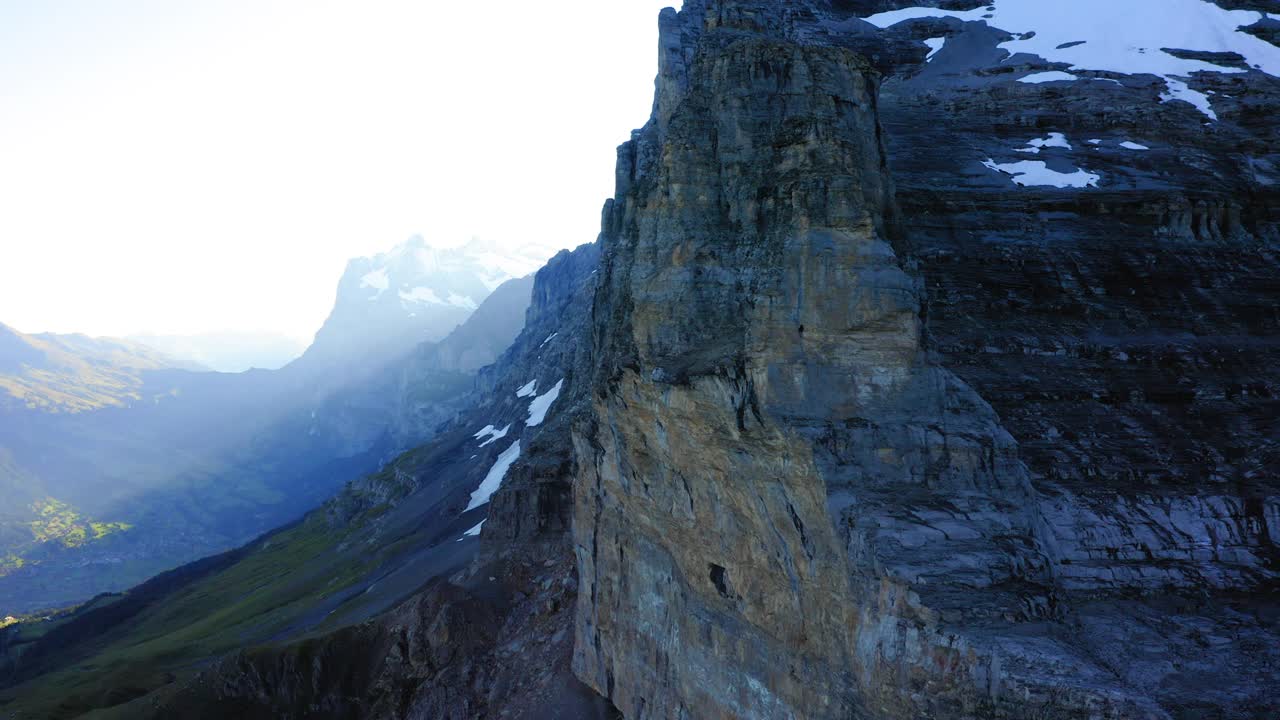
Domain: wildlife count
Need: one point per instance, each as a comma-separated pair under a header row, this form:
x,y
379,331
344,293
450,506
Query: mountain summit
x,y
388,303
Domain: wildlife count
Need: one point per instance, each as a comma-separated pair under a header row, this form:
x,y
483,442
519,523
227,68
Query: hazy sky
x,y
178,166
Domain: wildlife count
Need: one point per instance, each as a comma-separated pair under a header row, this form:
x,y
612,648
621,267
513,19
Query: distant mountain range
x,y
228,351
385,304
74,373
119,460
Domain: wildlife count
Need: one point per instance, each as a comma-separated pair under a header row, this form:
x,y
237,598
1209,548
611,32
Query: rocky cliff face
x,y
847,459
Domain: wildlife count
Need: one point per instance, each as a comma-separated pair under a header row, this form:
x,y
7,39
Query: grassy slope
x,y
268,591
169,639
30,519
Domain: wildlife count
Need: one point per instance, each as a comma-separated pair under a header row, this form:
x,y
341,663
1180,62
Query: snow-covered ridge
x,y
458,277
1121,36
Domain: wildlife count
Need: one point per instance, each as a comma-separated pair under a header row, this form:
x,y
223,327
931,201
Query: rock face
x,y
851,460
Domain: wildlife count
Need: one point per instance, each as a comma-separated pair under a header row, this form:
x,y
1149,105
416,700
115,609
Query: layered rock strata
x,y
789,504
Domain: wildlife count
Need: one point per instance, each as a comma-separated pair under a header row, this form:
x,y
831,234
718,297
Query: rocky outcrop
x,y
795,496
532,513
452,651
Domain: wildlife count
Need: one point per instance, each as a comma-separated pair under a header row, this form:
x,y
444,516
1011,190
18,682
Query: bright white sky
x,y
179,166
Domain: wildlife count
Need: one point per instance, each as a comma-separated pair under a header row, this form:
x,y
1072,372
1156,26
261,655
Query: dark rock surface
x,y
969,449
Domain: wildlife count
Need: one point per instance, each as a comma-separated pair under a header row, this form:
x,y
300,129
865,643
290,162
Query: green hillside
x,y
339,565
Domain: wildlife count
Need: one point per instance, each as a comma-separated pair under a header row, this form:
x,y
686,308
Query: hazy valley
x,y
124,462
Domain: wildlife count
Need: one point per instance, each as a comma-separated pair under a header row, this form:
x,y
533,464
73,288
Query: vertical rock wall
x,y
762,388
785,505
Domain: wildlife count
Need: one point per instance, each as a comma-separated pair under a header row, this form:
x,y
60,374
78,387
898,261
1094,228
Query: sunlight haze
x,y
179,167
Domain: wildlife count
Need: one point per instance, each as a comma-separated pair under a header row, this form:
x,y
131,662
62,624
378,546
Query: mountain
x,y
404,403
885,393
74,373
229,352
389,303
386,539
142,465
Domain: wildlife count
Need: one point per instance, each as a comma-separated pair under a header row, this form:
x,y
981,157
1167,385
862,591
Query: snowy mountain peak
x,y
403,270
416,292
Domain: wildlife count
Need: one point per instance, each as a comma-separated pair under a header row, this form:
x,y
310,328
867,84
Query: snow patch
x,y
473,531
549,338
493,480
893,17
377,280
935,44
492,434
463,301
1129,145
541,404
422,295
529,388
425,295
1176,89
1037,173
1056,139
1044,77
